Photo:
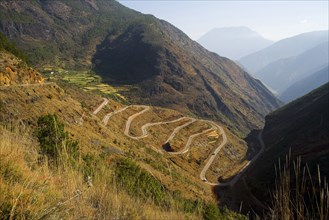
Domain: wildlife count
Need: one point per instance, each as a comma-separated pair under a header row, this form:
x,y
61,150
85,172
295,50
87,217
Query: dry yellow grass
x,y
31,190
40,190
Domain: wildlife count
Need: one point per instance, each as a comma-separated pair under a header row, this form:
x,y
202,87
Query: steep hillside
x,y
159,63
281,74
161,183
289,47
305,85
233,42
300,127
63,33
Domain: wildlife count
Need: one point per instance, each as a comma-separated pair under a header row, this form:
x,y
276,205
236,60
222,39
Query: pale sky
x,y
274,20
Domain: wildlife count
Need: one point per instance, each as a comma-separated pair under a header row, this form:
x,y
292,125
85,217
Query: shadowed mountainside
x,y
300,127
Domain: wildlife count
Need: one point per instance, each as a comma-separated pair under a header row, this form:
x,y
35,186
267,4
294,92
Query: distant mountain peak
x,y
236,29
233,42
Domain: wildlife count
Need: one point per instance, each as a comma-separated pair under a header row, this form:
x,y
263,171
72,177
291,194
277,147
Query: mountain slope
x,y
63,33
157,63
305,85
233,42
281,74
285,48
300,127
107,168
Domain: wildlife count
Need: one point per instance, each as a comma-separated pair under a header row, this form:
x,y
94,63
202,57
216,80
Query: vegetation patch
x,y
137,182
9,46
54,140
140,183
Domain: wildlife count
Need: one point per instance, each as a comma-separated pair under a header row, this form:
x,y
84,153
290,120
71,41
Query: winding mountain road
x,y
146,126
212,158
189,142
177,129
109,115
131,118
186,148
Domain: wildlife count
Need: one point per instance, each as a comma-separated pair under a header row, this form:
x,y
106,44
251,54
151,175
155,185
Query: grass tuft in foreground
x,y
298,193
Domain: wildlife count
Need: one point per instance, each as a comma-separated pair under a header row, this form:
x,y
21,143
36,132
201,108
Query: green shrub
x,y
91,164
10,171
54,140
140,183
211,212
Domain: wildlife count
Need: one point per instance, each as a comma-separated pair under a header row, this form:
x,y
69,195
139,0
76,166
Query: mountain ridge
x,y
282,73
305,85
284,48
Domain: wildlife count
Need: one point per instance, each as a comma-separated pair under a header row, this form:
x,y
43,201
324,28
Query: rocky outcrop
x,y
14,71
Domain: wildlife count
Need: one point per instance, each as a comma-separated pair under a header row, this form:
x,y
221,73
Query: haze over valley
x,y
149,110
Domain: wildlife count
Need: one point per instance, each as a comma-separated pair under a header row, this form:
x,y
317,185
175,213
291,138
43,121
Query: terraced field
x,y
88,81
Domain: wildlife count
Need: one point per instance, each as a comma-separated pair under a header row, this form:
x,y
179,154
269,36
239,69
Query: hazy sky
x,y
274,20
